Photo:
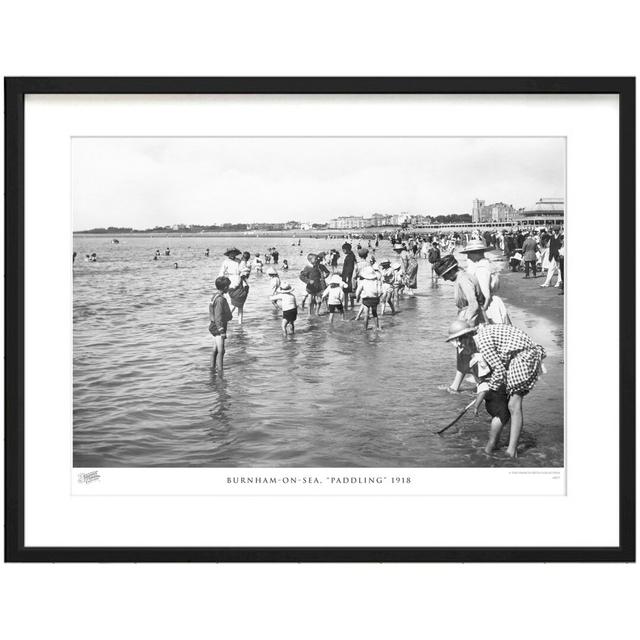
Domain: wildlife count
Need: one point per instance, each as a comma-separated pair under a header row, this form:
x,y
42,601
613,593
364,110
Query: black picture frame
x,y
15,91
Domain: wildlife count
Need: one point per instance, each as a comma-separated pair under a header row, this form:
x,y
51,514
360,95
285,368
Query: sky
x,y
148,182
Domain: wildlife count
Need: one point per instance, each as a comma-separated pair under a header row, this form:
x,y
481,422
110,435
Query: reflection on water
x,y
338,396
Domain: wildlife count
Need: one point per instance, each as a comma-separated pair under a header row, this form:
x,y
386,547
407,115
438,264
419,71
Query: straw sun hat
x,y
334,279
444,265
285,286
459,328
474,245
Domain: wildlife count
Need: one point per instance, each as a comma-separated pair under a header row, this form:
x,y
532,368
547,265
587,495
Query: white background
x,y
463,38
587,516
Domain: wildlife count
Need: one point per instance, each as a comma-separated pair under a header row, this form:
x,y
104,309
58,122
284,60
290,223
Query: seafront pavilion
x,y
537,221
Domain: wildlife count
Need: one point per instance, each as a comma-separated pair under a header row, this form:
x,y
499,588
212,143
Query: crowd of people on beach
x,y
504,362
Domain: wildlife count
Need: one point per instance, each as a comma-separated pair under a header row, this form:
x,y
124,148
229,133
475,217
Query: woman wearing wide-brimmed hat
x,y
466,290
514,359
468,299
488,281
230,267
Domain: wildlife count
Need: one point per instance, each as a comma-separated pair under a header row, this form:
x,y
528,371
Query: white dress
x,y
489,282
545,258
230,269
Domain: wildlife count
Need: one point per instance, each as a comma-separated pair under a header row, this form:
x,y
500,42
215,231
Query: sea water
x,y
330,396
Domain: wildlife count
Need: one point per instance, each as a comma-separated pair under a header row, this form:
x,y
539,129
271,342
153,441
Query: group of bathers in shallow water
x,y
503,360
361,280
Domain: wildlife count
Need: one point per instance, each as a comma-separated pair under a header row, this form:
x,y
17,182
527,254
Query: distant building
x,y
546,207
496,212
476,211
347,222
420,220
378,220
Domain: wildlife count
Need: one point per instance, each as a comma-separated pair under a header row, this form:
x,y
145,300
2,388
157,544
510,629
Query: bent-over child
x,y
495,402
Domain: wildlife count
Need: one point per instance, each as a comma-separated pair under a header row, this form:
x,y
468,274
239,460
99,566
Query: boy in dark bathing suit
x,y
219,316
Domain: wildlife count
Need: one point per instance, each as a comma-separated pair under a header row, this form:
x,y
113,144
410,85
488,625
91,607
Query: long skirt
x,y
496,312
238,295
545,259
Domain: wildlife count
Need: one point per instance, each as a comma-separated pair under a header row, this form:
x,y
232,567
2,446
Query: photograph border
x,y
15,91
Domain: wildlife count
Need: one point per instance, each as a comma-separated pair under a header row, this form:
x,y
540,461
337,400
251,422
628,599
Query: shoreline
x,y
291,233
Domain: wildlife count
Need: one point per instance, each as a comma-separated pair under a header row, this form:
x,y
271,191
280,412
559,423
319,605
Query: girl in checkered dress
x,y
514,358
515,362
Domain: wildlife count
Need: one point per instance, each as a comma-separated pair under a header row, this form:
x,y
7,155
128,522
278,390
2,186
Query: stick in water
x,y
457,418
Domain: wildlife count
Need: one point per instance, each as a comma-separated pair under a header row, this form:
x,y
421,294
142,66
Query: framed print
x,y
320,319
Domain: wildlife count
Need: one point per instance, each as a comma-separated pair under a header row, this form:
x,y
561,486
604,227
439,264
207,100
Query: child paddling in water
x,y
388,278
274,284
334,296
219,316
515,364
289,307
369,292
496,402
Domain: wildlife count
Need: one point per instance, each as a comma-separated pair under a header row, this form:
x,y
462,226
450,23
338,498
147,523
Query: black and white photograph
x,y
319,302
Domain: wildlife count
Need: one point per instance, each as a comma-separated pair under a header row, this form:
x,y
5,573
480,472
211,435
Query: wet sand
x,y
527,294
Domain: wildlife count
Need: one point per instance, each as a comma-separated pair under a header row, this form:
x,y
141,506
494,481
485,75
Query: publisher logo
x,y
89,477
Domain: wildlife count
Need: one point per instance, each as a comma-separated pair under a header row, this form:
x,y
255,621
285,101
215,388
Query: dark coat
x,y
529,248
554,247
